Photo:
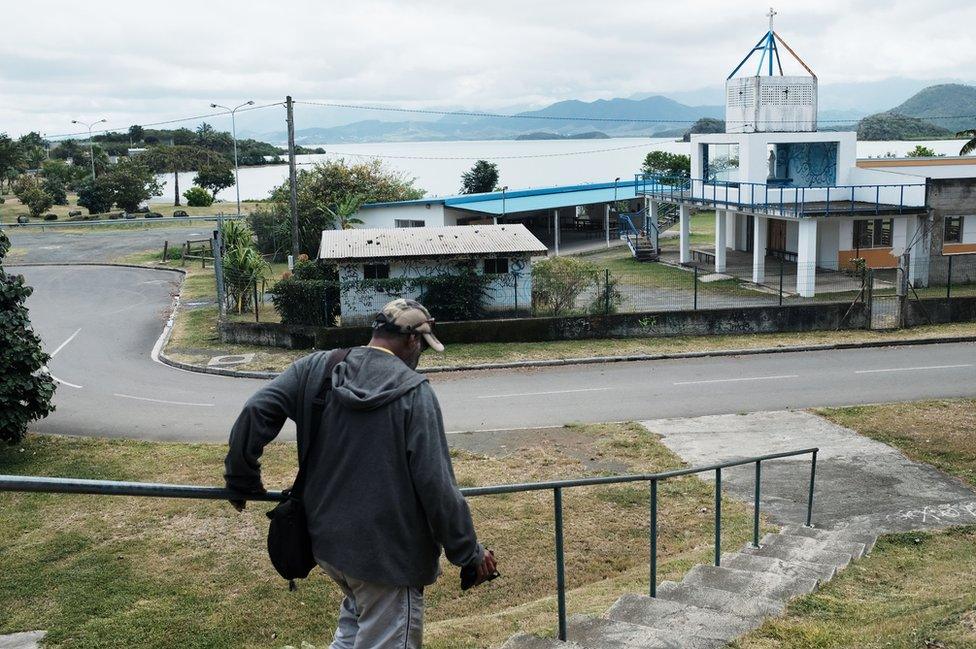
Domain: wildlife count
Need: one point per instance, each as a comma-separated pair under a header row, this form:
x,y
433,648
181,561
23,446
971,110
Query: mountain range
x,y
613,117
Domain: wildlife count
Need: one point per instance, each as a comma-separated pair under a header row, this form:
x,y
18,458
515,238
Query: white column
x,y
684,220
918,260
555,227
806,258
606,221
759,249
652,216
720,233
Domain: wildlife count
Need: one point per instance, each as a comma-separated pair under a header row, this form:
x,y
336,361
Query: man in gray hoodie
x,y
380,498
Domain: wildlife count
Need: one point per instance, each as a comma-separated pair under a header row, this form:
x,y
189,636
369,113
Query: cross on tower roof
x,y
771,15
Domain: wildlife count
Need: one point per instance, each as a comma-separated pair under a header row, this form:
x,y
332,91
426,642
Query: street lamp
x,y
91,153
233,128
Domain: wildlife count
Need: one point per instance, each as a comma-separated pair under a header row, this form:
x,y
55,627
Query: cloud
x,y
138,62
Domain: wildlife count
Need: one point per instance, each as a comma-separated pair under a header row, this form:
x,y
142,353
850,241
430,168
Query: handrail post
x,y
813,477
557,498
718,517
755,513
653,533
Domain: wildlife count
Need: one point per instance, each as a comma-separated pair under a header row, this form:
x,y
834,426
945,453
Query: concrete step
x,y
822,572
856,550
601,633
868,540
764,584
665,614
526,641
810,555
719,600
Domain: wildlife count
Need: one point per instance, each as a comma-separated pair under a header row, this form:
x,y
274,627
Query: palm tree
x,y
970,146
342,214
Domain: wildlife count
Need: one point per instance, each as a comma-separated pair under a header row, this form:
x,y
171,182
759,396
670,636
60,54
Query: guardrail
x,y
837,200
32,484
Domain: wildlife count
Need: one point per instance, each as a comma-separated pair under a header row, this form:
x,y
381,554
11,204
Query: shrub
x,y
243,266
50,217
305,301
56,190
97,196
198,197
37,201
558,282
26,387
455,296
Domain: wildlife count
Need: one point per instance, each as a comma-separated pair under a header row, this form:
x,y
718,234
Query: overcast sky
x,y
136,62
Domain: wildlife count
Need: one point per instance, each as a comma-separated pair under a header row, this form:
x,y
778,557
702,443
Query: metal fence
x,y
114,488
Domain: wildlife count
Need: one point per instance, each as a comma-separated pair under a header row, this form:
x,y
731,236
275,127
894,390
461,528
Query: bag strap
x,y
317,409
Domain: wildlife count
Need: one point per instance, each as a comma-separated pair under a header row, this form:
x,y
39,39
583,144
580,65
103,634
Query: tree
x,y
198,197
557,283
921,151
97,196
330,183
215,175
175,160
481,178
26,387
132,182
341,213
58,176
663,163
136,133
11,156
969,146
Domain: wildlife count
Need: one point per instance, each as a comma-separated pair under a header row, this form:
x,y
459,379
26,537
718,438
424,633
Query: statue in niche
x,y
772,165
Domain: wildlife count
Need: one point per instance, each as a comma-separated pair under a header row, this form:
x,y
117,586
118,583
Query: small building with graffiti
x,y
435,265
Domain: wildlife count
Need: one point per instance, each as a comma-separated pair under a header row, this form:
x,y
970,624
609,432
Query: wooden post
x,y
292,177
165,249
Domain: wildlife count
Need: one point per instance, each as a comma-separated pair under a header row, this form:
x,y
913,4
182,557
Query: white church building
x,y
781,189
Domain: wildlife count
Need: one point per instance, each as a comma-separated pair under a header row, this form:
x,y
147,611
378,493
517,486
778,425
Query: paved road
x,y
31,245
102,322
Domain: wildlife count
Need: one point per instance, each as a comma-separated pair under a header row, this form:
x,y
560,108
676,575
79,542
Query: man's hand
x,y
487,567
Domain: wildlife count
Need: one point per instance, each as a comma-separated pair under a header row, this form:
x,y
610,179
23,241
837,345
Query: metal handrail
x,y
680,188
38,484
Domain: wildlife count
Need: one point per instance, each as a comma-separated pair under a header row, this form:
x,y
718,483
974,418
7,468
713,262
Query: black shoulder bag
x,y
289,544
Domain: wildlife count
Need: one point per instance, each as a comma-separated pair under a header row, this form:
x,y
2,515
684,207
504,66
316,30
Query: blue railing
x,y
837,200
38,484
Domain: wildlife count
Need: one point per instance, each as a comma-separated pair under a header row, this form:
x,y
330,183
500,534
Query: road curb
x,y
592,360
181,271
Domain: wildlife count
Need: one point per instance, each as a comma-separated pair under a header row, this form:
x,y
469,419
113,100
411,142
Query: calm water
x,y
437,166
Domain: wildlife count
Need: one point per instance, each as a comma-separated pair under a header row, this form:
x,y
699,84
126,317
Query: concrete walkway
x,y
27,640
861,484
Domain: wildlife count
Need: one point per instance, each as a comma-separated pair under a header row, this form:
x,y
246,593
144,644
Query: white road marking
x,y
750,378
537,394
62,345
171,403
70,385
914,369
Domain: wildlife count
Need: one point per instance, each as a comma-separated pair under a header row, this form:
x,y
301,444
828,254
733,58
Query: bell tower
x,y
769,102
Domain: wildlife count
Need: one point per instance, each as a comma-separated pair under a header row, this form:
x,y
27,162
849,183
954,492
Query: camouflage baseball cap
x,y
408,317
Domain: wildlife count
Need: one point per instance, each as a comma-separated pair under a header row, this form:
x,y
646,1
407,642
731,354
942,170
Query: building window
x,y
376,271
408,223
497,266
953,229
873,234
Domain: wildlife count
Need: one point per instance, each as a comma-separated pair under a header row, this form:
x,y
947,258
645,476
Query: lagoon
x,y
437,166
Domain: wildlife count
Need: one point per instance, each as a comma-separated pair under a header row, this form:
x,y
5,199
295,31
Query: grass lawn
x,y
915,589
114,572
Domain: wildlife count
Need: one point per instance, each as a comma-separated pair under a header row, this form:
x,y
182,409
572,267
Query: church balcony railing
x,y
778,200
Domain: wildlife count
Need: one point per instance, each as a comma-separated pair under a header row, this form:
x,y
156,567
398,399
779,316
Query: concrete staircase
x,y
713,605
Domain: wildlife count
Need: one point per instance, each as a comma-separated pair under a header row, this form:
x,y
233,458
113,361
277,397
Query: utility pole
x,y
292,177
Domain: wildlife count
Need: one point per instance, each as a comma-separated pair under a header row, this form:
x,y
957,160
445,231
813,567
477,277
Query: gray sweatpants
x,y
375,616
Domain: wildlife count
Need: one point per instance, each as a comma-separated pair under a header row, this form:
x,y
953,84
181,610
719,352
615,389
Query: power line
x,y
482,157
577,118
164,122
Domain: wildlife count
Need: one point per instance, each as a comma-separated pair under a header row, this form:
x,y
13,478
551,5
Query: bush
x,y
26,387
198,197
56,190
455,296
305,301
558,282
37,201
50,217
97,196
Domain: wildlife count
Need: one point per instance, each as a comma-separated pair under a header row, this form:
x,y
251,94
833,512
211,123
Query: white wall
x,y
432,214
360,304
828,242
969,229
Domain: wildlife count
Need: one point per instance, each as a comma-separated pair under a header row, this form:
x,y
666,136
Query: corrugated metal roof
x,y
449,241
